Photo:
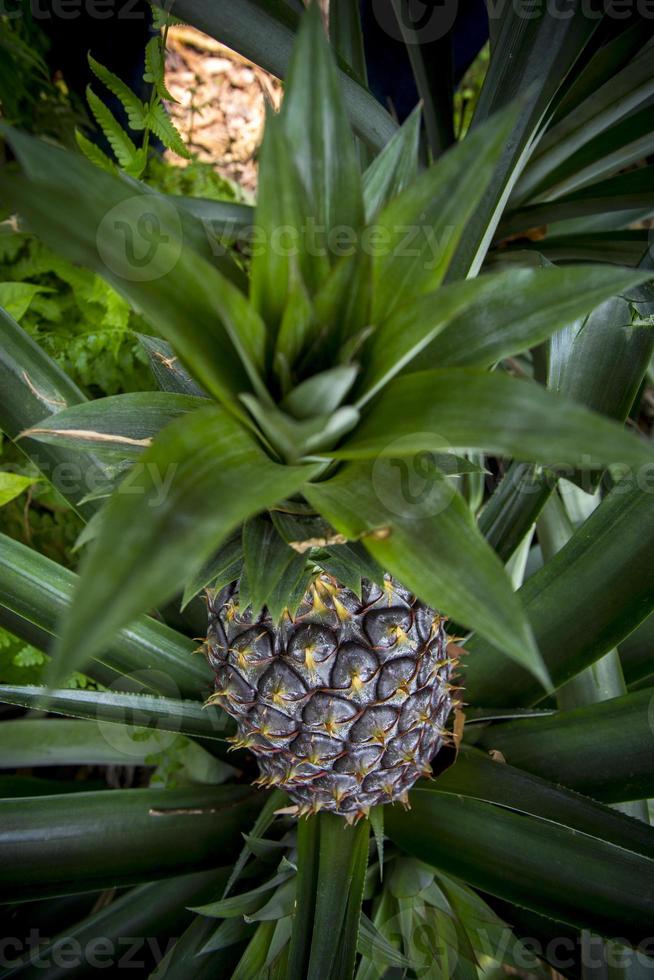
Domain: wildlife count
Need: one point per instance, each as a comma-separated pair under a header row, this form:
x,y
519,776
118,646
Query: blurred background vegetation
x,y
74,315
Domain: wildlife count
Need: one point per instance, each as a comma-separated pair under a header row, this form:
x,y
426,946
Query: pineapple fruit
x,y
345,702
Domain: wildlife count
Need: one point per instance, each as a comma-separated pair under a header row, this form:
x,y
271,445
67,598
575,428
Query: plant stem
x,y
332,862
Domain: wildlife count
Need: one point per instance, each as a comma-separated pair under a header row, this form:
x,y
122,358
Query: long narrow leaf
x,y
418,232
160,713
423,533
394,168
283,204
604,750
38,592
498,315
432,61
514,506
137,240
628,141
613,101
64,844
626,192
202,476
313,115
33,386
341,873
431,411
602,581
155,910
124,424
532,843
531,57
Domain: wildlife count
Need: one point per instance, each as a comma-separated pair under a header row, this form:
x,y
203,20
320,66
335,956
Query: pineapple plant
x,y
337,370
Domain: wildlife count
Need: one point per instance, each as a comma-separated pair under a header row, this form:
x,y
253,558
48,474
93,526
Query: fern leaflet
x,y
161,18
131,103
155,69
120,142
94,153
161,125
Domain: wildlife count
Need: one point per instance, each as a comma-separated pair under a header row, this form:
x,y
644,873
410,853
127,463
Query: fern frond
x,y
161,125
94,154
120,142
130,102
161,18
155,66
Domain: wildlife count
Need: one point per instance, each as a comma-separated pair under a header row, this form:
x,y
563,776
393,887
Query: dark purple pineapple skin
x,y
345,704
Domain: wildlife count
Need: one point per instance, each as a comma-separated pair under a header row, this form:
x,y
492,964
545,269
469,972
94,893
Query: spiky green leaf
x,y
414,523
202,476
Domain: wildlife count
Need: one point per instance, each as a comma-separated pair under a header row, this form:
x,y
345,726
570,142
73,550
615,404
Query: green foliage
x,y
196,179
468,91
337,404
23,664
82,323
29,97
161,16
226,341
123,146
19,662
143,117
12,485
129,101
89,331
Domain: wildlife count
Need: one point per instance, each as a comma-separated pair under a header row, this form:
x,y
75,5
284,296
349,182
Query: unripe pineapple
x,y
344,704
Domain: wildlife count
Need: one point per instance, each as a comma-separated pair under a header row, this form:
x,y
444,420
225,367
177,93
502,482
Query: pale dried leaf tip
x,y
41,395
303,546
378,534
287,811
168,362
89,434
459,725
182,811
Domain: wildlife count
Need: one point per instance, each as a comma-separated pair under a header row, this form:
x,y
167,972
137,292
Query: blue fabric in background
x,y
389,70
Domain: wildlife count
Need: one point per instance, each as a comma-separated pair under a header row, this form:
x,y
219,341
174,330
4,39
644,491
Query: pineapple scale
x,y
345,704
